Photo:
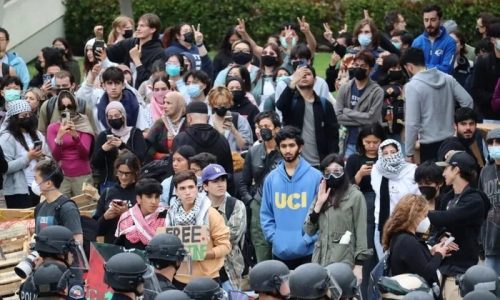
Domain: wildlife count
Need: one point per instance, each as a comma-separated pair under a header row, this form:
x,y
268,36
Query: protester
x,y
198,85
70,141
71,64
180,162
223,57
35,98
193,208
242,54
430,181
264,85
121,28
138,225
338,216
391,178
287,195
23,146
241,102
117,198
12,58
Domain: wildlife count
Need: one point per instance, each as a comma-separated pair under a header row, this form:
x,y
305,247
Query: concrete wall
x,y
32,24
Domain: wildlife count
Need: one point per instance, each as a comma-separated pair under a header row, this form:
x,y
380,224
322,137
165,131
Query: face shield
x,y
77,258
151,284
334,290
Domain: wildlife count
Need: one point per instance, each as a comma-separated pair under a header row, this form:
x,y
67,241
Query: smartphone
x,y
370,163
110,137
46,77
302,62
97,48
37,145
449,240
119,202
228,117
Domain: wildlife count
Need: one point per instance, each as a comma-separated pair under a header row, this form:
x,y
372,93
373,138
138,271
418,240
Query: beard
x,y
291,158
305,86
432,31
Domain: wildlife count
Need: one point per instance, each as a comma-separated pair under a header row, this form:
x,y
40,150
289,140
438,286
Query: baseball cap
x,y
459,159
196,107
212,172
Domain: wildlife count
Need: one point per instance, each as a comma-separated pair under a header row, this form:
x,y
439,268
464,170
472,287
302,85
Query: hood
x,y
302,169
203,134
431,77
442,32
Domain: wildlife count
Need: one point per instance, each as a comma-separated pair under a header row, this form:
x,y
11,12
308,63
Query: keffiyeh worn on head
x,y
390,165
181,216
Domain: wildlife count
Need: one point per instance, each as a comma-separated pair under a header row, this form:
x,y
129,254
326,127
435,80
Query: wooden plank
x,y
8,277
7,214
12,259
9,289
13,297
87,213
13,245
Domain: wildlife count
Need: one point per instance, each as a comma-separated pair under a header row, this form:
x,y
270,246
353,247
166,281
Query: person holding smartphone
x,y
23,147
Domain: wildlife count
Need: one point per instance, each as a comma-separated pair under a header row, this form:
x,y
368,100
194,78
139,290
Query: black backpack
x,y
246,245
157,169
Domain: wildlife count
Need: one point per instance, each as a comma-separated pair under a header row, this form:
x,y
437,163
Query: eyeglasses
x,y
123,174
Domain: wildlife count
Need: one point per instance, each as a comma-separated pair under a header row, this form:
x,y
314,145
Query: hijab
x,y
124,132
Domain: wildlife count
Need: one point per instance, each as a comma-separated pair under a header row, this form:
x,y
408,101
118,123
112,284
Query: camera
x,y
25,267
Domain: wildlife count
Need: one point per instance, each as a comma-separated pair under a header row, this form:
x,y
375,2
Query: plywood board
x,y
9,289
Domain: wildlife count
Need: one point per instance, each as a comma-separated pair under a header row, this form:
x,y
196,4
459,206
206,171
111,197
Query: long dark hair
x,y
337,194
169,35
225,46
15,129
245,77
373,129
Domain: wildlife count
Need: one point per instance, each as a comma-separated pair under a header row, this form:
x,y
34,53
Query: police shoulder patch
x,y
76,292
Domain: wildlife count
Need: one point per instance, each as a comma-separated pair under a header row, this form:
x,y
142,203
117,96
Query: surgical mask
x,y
35,188
268,60
284,44
173,70
221,111
193,90
116,123
128,33
189,37
241,58
281,78
11,95
429,192
397,45
423,226
494,152
364,39
266,134
360,73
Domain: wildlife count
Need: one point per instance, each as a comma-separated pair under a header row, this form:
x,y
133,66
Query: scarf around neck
x,y
390,165
138,228
181,217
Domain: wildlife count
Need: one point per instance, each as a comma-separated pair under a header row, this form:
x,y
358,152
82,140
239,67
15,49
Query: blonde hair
x,y
403,218
220,92
119,21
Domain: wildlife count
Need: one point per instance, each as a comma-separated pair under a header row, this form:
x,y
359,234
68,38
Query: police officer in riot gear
x,y
124,273
51,281
269,279
57,244
343,275
165,253
312,282
204,288
479,278
173,295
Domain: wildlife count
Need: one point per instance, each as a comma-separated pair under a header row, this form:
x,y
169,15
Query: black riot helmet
x,y
312,281
342,274
124,272
165,248
51,279
479,278
204,288
173,295
54,240
267,276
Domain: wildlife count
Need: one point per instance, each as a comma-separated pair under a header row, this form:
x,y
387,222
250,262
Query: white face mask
x,y
35,188
423,226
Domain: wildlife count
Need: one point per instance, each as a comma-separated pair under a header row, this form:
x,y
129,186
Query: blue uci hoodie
x,y
438,54
285,203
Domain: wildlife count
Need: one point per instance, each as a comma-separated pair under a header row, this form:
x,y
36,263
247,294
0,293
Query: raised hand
x,y
328,34
198,36
304,26
241,28
322,196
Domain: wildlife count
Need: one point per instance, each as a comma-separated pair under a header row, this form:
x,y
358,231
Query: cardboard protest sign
x,y
193,237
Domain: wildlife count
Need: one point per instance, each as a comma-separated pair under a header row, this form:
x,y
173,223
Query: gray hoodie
x,y
430,106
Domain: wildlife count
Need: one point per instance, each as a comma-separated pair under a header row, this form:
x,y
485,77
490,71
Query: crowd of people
x,y
304,186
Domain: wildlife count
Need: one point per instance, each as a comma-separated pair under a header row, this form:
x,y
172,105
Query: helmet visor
x,y
77,257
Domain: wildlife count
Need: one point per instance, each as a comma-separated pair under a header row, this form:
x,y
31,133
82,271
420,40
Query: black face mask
x,y
57,91
128,33
189,37
238,96
221,111
266,134
429,192
351,73
395,75
116,123
268,60
478,33
241,58
360,73
27,123
333,182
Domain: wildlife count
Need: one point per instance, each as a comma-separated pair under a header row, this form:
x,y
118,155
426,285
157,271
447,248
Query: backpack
x,y
89,225
51,104
157,169
246,245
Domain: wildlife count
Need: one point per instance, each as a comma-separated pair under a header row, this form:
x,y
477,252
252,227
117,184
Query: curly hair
x,y
403,218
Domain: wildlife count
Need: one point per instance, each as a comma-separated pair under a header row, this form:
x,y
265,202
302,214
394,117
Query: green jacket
x,y
333,224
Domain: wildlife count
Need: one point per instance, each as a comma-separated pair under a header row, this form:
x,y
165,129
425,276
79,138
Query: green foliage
x,y
264,17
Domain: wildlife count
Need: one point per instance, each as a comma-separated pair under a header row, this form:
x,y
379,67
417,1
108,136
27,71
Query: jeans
x,y
378,245
493,262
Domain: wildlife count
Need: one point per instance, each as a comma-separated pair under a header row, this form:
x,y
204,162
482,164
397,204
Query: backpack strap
x,y
230,204
51,104
57,215
235,119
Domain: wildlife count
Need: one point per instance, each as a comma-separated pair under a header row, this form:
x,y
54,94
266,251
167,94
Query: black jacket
x,y
103,161
410,254
3,167
107,228
150,52
462,219
326,126
248,110
484,78
205,138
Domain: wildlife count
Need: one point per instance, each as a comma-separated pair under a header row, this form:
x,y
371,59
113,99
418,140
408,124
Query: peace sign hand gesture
x,y
328,34
198,36
240,28
304,26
